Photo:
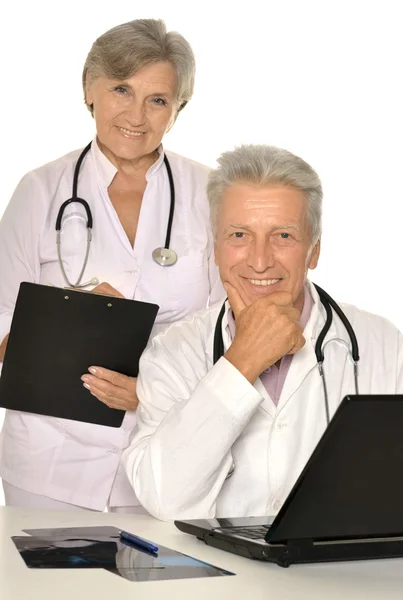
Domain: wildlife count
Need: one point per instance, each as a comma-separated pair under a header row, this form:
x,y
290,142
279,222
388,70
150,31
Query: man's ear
x,y
314,258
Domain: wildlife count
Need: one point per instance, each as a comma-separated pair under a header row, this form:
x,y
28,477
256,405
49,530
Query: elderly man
x,y
229,438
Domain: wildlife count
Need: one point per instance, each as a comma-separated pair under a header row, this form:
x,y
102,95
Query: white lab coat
x,y
62,459
195,419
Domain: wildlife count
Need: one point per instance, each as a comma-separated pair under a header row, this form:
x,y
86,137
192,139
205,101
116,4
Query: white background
x,y
320,78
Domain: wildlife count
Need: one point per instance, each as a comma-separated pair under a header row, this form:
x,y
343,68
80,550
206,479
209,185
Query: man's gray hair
x,y
122,51
267,166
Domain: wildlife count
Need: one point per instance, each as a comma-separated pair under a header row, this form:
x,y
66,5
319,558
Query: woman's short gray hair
x,y
267,165
125,49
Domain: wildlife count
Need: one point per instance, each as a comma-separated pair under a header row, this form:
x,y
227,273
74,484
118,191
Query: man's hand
x,y
113,389
266,330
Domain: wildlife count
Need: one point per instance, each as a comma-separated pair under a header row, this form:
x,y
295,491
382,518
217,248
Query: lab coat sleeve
x,y
19,245
187,423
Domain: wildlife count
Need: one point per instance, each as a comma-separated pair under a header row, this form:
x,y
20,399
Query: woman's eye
x,y
239,234
285,236
160,101
120,89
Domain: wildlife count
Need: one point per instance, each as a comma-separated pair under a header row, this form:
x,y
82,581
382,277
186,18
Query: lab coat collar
x,y
155,167
318,319
107,170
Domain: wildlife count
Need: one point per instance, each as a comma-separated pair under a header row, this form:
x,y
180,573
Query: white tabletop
x,y
363,580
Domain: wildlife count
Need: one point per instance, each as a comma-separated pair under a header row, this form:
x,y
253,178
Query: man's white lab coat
x,y
195,419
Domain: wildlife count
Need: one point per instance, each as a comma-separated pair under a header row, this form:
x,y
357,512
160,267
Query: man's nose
x,y
261,256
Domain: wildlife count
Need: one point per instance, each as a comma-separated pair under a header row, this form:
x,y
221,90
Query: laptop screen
x,y
352,486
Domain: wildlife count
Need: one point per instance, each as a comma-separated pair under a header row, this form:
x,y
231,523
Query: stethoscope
x,y
164,256
328,304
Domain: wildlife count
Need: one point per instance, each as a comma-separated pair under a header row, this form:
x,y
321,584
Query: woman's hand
x,y
106,289
113,389
3,347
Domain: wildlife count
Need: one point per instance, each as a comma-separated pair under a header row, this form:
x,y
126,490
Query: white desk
x,y
380,580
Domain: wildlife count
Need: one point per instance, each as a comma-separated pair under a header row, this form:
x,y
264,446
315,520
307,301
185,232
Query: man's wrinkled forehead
x,y
242,201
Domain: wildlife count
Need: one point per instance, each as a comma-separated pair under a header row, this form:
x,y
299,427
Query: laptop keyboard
x,y
252,533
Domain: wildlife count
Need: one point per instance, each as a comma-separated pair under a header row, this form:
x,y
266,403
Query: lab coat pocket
x,y
32,434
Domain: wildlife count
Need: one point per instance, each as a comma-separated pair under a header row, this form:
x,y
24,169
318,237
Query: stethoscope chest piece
x,y
165,257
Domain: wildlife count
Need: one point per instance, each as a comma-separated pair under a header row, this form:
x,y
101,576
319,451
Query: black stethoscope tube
x,y
162,256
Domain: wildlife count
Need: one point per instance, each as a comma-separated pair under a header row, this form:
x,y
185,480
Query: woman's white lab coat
x,y
77,462
195,419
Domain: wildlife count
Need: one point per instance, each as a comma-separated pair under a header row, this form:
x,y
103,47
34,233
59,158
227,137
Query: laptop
x,y
347,504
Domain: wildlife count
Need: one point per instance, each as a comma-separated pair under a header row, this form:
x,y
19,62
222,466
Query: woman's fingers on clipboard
x,y
106,289
3,347
113,389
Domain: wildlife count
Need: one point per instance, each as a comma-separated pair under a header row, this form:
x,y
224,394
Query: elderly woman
x,y
136,79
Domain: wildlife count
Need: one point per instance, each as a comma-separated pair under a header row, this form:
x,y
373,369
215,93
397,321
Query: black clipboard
x,y
55,335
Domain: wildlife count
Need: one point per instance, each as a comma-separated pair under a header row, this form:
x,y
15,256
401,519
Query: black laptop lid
x,y
352,486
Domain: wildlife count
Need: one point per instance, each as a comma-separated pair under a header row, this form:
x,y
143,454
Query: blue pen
x,y
137,541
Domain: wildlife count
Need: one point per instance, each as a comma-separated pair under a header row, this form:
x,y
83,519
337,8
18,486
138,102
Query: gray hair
x,y
125,49
267,165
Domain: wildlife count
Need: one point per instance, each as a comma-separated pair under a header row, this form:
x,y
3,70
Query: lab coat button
x,y
113,451
276,505
280,426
